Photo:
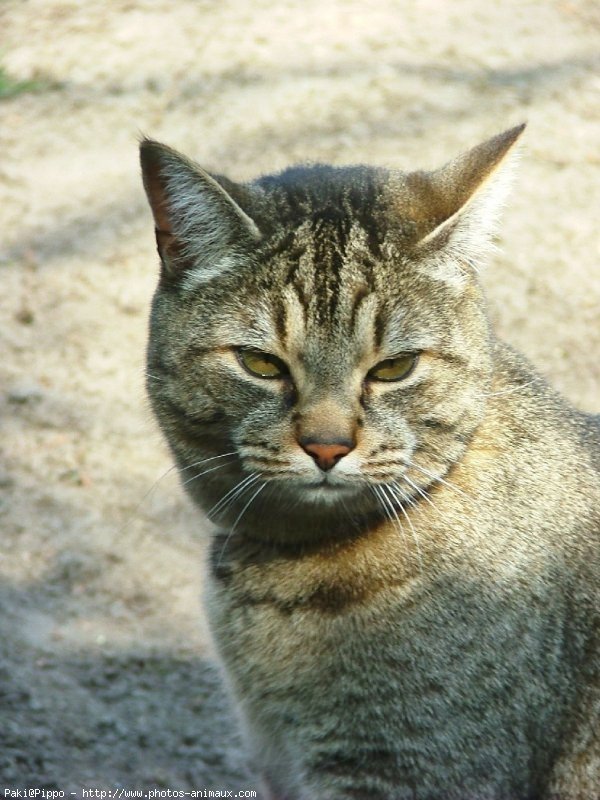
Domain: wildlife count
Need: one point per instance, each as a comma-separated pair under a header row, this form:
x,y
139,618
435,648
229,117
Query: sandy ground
x,y
106,677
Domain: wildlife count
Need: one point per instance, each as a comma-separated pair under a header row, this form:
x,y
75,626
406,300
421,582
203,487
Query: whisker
x,y
204,472
247,506
388,508
154,377
136,510
411,526
375,490
206,460
239,517
406,498
152,488
155,484
424,495
511,390
435,477
230,496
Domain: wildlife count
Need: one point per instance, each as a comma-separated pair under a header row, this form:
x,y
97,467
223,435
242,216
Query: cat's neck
x,y
330,576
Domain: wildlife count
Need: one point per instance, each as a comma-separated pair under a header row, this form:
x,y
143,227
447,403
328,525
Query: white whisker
x,y
438,478
511,390
406,498
247,506
154,377
230,497
424,495
388,508
239,517
393,490
205,461
152,488
375,489
204,472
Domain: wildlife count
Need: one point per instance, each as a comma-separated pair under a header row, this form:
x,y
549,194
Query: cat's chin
x,y
293,511
318,498
328,493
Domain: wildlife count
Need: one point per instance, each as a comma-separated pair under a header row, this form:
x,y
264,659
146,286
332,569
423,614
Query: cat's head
x,y
319,350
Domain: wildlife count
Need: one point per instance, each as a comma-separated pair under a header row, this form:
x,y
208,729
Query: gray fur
x,y
420,621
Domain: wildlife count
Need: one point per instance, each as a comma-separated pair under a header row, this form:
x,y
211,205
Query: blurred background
x,y
106,675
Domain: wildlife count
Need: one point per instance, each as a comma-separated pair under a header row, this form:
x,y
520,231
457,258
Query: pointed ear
x,y
459,204
201,230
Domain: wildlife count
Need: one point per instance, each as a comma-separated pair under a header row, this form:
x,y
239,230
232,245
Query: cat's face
x,y
324,364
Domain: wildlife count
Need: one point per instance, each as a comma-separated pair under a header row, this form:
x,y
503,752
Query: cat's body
x,y
404,587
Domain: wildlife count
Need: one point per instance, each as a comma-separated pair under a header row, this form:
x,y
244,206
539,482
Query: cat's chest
x,y
319,651
288,638
285,611
369,605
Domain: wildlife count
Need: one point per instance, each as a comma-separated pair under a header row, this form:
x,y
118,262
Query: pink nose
x,y
326,454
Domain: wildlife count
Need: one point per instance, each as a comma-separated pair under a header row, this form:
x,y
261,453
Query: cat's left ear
x,y
463,201
201,228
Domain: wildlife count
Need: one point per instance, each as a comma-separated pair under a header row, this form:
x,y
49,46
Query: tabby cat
x,y
404,573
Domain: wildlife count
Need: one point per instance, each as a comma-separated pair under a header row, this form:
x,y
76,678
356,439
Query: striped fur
x,y
421,620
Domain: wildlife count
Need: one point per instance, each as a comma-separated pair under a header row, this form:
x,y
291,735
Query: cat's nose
x,y
326,454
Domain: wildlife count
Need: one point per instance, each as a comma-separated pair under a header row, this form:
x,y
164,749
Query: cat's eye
x,y
394,369
262,365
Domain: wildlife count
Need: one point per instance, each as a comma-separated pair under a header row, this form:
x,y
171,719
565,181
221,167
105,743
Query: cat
x,y
403,579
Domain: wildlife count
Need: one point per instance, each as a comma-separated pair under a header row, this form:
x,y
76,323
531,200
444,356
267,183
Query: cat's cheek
x,y
387,425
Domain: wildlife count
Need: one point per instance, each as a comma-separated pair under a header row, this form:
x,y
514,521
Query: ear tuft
x,y
201,230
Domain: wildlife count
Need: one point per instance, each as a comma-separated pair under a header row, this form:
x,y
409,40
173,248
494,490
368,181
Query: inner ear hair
x,y
200,227
475,177
456,208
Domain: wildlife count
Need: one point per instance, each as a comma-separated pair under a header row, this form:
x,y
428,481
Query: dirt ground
x,y
106,674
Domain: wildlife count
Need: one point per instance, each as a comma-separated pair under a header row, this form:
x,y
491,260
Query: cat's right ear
x,y
201,229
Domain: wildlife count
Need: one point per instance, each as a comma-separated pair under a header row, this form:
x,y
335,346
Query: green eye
x,y
394,369
262,365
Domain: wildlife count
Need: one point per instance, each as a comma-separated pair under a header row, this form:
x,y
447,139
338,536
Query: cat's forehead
x,y
329,263
328,298
333,279
334,242
321,278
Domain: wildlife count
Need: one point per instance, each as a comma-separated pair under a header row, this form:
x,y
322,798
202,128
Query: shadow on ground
x,y
95,719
